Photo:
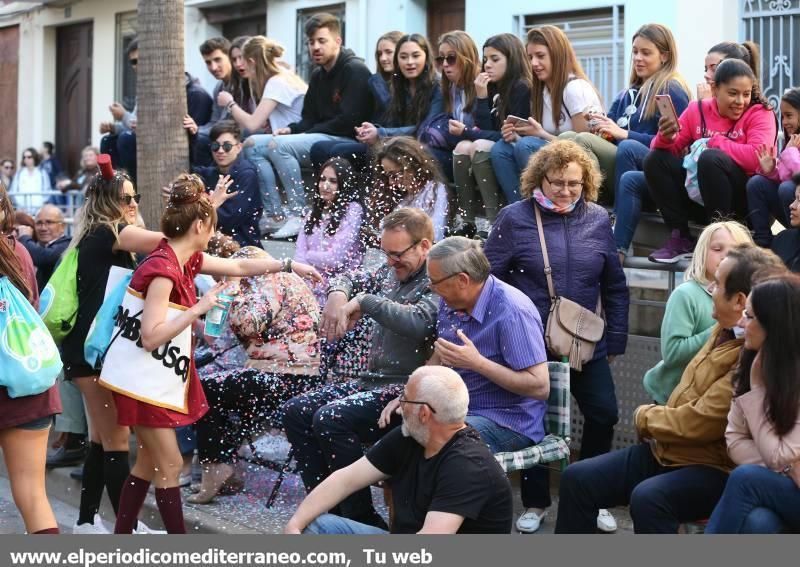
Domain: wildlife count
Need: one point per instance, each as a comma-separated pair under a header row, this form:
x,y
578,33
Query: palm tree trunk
x,y
162,146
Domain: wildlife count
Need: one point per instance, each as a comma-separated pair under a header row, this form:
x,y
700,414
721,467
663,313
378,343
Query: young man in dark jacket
x,y
337,101
238,216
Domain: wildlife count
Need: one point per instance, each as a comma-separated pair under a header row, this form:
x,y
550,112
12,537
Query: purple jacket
x,y
583,258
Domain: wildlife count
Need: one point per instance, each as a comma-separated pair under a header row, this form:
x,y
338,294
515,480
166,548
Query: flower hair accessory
x,y
106,169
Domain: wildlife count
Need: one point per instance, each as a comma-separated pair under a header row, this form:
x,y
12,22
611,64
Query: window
x,y
597,38
303,63
774,26
125,77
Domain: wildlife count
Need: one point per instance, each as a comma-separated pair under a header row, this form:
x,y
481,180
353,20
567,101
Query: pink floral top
x,y
276,318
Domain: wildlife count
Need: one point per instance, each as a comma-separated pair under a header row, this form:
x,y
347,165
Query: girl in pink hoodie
x,y
770,193
735,121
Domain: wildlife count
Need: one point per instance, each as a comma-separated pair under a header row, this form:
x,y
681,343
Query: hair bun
x,y
186,189
106,169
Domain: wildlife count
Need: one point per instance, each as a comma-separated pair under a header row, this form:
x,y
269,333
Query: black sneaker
x,y
64,457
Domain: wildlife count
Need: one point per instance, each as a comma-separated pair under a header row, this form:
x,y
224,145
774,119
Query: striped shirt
x,y
506,328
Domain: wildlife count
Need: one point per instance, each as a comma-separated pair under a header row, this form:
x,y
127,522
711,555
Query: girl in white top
x,y
30,179
560,96
280,92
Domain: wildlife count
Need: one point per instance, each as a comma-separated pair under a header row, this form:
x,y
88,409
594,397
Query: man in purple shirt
x,y
491,334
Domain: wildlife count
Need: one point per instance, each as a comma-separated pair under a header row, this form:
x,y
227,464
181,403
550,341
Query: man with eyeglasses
x,y
327,427
7,168
444,478
238,216
50,241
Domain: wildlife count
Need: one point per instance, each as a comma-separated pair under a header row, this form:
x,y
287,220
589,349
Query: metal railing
x,y
68,203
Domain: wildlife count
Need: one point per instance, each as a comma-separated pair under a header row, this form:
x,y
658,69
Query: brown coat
x,y
690,428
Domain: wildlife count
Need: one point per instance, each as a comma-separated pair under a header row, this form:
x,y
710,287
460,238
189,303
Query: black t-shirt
x,y
463,478
95,258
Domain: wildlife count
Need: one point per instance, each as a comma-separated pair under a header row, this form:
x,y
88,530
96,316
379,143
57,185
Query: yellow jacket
x,y
690,429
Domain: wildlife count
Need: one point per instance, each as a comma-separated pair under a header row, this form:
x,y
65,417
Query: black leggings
x,y
722,186
241,404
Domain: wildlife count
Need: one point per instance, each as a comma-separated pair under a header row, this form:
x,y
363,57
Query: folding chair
x,y
555,445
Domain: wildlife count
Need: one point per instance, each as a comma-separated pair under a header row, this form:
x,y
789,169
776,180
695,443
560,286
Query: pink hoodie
x,y
756,126
788,164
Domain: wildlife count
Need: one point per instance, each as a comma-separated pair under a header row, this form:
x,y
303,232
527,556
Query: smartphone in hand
x,y
516,119
666,108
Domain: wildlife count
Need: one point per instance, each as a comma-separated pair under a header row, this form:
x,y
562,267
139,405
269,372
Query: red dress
x,y
162,263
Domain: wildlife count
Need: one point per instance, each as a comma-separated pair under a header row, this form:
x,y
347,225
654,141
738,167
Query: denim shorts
x,y
37,424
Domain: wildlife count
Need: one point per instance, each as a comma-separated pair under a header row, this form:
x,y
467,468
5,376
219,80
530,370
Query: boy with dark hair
x,y
238,216
337,101
215,54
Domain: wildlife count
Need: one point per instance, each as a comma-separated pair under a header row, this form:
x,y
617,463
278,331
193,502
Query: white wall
x,y
195,31
37,66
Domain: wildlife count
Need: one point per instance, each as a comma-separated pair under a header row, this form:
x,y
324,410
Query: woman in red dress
x,y
167,276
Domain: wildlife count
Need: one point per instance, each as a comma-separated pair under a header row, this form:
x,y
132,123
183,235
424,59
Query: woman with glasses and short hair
x,y
560,186
30,183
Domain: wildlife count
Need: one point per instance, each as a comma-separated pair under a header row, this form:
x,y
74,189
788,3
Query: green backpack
x,y
58,302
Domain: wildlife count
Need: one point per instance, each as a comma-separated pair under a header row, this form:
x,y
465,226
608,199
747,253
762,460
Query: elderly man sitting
x,y
326,427
491,334
444,478
50,242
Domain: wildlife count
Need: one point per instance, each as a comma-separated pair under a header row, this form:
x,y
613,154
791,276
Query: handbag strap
x,y
548,271
101,360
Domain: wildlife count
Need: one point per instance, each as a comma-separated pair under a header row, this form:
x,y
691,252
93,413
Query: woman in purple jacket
x,y
563,183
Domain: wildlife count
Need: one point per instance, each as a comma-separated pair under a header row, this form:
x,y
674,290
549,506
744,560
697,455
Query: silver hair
x,y
444,390
457,254
48,206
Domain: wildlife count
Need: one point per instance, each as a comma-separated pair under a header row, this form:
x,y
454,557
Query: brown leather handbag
x,y
572,330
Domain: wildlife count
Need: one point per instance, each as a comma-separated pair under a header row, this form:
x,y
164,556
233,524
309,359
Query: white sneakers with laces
x,y
606,522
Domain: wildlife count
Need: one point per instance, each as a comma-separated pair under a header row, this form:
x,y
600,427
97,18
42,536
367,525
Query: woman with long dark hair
x,y
762,494
329,240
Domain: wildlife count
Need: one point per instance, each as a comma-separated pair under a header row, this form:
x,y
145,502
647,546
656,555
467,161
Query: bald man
x,y
50,242
444,478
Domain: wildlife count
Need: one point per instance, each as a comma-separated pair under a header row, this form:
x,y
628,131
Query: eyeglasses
x,y
127,199
403,400
134,62
440,280
41,223
225,147
561,184
450,60
397,256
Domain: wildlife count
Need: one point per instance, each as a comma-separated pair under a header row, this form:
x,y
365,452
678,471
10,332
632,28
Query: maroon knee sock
x,y
48,531
134,491
169,504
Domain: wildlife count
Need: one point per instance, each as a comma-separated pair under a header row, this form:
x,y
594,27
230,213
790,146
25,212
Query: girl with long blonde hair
x,y
560,94
633,117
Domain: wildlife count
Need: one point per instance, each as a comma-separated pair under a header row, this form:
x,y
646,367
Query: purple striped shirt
x,y
505,328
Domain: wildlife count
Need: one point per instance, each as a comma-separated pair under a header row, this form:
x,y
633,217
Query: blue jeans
x,y
331,524
766,199
661,498
631,190
267,182
508,161
756,501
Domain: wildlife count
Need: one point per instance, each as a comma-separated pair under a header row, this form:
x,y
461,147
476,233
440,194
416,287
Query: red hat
x,y
106,169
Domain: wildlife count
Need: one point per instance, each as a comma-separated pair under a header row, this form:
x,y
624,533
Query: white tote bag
x,y
160,377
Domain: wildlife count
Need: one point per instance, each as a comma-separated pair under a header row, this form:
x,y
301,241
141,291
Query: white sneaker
x,y
144,529
90,529
290,228
606,522
269,224
529,522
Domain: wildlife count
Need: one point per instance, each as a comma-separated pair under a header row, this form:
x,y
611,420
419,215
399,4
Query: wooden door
x,y
73,93
444,16
9,74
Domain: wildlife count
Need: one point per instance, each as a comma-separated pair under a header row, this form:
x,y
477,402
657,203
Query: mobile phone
x,y
665,107
516,119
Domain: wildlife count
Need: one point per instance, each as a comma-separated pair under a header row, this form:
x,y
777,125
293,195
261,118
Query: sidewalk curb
x,y
60,486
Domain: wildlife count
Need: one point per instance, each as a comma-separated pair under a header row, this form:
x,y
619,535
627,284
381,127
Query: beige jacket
x,y
752,439
690,428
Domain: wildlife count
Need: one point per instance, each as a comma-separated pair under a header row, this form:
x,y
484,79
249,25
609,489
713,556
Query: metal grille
x,y
773,25
597,38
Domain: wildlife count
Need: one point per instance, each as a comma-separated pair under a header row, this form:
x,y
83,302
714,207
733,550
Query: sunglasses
x,y
450,60
225,147
134,62
128,199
